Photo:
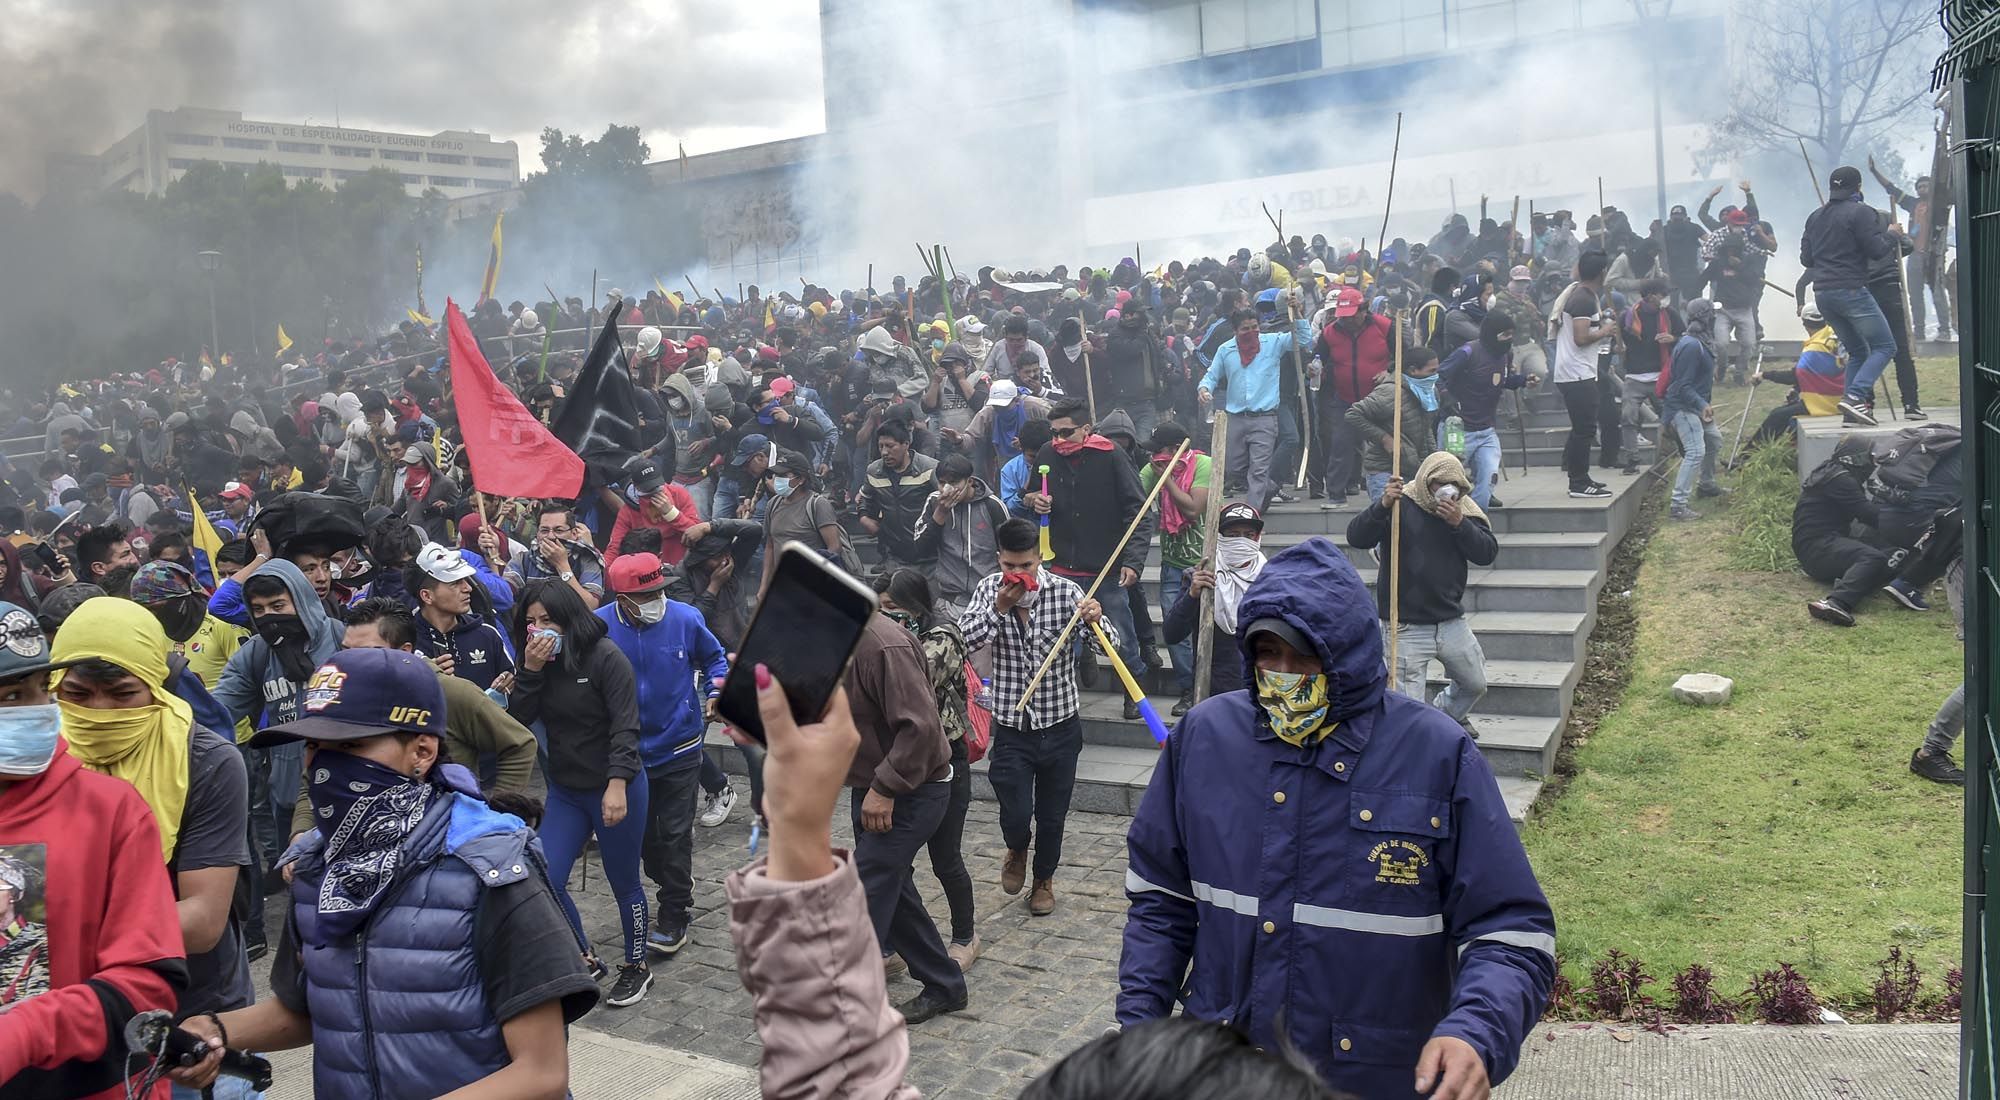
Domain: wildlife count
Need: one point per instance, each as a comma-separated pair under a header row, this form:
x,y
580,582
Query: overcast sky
x,y
715,74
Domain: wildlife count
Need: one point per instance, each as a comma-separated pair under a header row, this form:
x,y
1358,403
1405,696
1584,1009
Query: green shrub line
x,y
1766,491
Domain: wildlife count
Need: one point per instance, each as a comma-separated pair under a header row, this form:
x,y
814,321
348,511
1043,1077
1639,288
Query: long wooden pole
x,y
1110,563
1089,384
1305,395
1211,515
1394,562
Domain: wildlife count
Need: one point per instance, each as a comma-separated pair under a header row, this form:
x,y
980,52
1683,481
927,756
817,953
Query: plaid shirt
x,y
1019,649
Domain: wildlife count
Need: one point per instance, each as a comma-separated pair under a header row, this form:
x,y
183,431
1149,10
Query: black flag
x,y
600,418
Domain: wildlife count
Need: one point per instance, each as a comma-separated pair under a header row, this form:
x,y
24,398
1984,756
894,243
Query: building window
x,y
351,151
347,173
301,172
492,162
244,143
298,147
410,179
191,139
400,154
181,162
445,158
450,181
498,185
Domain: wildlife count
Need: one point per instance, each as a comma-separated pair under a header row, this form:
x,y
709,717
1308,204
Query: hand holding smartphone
x,y
805,630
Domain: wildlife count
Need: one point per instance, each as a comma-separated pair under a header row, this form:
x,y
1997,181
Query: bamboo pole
x,y
1110,563
1211,515
1394,562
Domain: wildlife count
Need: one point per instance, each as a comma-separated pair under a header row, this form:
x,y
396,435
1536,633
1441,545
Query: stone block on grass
x,y
1703,689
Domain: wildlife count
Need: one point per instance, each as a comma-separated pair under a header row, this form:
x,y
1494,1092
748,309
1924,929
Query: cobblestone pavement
x,y
1042,987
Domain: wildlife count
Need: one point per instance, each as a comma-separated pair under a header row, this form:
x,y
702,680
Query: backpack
x,y
1904,461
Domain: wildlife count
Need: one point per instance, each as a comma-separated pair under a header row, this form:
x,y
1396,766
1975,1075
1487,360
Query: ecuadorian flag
x,y
207,542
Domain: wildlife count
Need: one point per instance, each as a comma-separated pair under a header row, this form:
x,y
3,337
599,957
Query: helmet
x,y
1811,314
529,319
792,315
649,341
1260,266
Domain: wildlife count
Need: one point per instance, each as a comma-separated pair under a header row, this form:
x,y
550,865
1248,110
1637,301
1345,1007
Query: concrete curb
x,y
1741,1062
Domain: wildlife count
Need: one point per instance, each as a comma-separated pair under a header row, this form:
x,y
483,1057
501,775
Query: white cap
x,y
971,325
1004,392
443,564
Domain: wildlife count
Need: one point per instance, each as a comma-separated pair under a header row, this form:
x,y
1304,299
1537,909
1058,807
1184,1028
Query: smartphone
x,y
805,630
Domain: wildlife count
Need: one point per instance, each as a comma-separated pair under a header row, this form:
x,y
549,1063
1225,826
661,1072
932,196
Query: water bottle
x,y
1454,436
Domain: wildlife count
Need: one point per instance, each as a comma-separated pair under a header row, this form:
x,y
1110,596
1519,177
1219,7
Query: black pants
x,y
1580,399
667,853
1033,773
1778,422
1853,567
1890,297
1142,624
947,847
884,862
1610,418
1341,447
1929,542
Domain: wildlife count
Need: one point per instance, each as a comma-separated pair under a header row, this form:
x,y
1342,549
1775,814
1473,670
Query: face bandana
x,y
1295,703
1238,560
288,638
365,811
28,739
1426,389
182,617
1032,581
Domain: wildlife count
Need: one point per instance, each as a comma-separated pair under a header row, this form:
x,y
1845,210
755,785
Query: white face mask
x,y
1072,351
1235,552
650,612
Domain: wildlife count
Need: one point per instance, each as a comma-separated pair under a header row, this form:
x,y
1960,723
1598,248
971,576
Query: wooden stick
x,y
1513,227
1089,384
1204,639
1382,238
1305,395
1109,564
1810,174
1393,563
692,288
1603,229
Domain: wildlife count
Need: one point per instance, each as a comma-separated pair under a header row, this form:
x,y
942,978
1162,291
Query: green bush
x,y
1767,488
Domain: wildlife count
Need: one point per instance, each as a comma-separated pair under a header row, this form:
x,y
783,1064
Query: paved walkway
x,y
1044,986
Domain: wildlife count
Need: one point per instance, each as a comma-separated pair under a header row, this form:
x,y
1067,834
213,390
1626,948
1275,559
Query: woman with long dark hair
x,y
582,690
906,598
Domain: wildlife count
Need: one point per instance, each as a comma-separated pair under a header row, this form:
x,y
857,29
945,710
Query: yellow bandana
x,y
1296,705
145,746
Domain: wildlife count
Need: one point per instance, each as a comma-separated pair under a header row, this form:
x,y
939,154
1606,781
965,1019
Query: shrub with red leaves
x,y
1695,998
1782,996
1945,1009
1616,990
1897,985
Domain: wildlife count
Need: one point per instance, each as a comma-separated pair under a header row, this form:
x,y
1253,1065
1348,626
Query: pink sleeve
x,y
807,955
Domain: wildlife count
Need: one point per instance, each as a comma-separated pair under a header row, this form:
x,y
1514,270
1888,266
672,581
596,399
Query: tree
x,y
1841,75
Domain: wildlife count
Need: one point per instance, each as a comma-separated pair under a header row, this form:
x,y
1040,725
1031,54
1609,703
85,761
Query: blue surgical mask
x,y
28,739
547,632
781,485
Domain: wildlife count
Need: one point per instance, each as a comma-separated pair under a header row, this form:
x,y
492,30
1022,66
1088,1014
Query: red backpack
x,y
978,718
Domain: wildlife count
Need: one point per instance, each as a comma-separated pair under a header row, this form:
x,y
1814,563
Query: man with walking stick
x,y
1021,612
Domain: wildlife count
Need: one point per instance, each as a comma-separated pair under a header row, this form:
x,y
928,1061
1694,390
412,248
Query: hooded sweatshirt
x,y
109,946
1480,371
254,681
1841,240
1432,554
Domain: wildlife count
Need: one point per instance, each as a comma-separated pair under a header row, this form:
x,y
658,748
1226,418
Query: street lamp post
x,y
1648,15
211,262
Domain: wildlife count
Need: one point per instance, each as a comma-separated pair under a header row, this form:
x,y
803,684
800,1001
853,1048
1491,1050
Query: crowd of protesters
x,y
265,595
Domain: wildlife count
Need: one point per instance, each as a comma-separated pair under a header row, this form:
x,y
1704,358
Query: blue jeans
x,y
1864,332
569,819
1482,462
1181,651
1699,444
1377,484
1117,616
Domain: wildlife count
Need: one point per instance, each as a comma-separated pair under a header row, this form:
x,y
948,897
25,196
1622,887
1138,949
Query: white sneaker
x,y
715,807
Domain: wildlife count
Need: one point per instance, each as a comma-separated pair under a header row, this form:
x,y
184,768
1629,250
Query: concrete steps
x,y
1532,611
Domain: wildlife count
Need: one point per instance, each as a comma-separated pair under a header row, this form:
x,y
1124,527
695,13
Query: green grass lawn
x,y
1785,825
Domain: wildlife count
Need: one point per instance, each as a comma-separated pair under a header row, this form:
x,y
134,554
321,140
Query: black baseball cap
x,y
1237,511
24,646
361,693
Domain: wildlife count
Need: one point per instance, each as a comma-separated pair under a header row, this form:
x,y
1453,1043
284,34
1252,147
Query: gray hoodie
x,y
255,681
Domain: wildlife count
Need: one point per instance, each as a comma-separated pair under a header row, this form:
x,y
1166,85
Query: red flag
x,y
512,453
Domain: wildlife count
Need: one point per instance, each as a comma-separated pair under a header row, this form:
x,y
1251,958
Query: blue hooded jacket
x,y
667,658
254,680
1368,890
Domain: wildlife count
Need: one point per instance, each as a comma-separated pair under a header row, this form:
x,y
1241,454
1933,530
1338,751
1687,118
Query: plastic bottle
x,y
1454,436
